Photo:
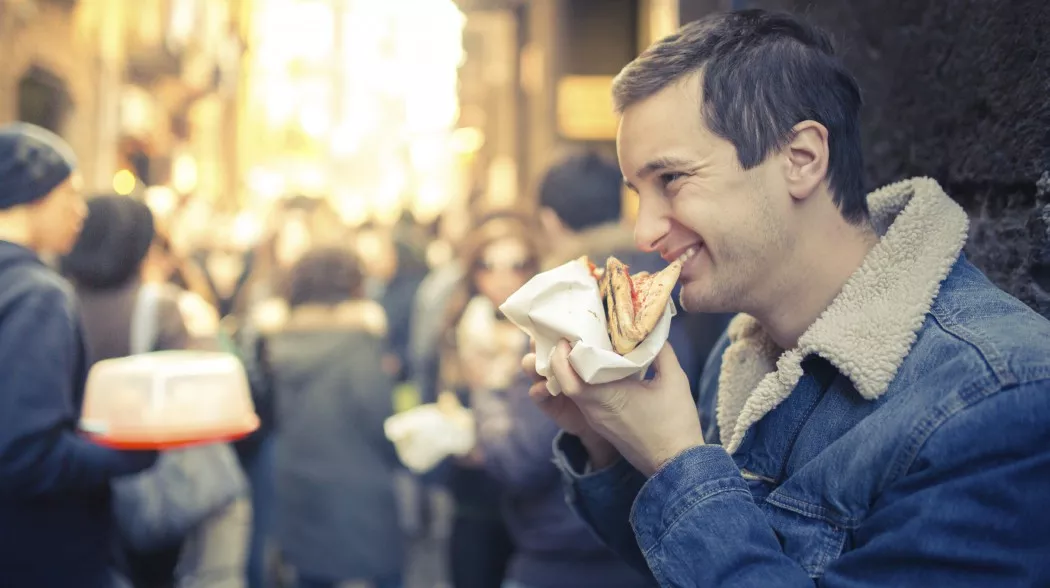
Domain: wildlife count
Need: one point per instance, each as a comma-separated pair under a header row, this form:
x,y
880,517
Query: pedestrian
x,y
54,484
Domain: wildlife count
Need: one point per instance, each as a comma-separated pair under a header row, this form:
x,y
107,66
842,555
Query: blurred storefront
x,y
143,90
382,108
355,101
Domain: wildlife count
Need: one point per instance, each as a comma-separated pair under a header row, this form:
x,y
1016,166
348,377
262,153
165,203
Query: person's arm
x,y
968,512
515,439
602,498
40,451
171,325
375,404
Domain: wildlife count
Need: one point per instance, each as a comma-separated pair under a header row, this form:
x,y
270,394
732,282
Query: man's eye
x,y
666,179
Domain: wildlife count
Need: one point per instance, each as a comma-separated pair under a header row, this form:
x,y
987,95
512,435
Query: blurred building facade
x,y
141,89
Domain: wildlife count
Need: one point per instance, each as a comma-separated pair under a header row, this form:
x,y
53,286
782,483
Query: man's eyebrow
x,y
662,163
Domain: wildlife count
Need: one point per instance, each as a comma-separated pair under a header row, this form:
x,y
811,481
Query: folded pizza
x,y
633,303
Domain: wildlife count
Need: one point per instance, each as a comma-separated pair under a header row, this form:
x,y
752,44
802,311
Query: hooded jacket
x,y
336,513
904,442
54,484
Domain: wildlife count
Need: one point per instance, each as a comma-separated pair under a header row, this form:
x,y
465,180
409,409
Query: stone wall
x,y
959,90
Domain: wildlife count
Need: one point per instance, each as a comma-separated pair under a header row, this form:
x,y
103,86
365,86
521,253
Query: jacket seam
x,y
701,495
990,357
965,399
809,510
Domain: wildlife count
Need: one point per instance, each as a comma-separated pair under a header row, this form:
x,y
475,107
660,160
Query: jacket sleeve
x,y
602,499
968,512
40,451
374,394
515,440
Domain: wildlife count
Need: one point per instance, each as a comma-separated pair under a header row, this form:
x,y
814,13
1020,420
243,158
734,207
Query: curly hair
x,y
326,275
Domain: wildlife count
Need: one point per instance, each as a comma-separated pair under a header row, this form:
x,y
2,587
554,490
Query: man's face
x,y
55,220
696,202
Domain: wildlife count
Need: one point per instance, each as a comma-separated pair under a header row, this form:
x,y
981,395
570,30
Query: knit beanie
x,y
116,238
33,162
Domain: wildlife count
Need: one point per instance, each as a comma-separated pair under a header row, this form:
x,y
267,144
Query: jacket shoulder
x,y
981,330
27,284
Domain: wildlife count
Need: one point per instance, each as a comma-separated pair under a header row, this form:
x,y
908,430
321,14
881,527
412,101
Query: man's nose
x,y
650,228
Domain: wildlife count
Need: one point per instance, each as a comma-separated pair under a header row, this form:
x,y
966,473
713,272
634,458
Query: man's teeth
x,y
688,253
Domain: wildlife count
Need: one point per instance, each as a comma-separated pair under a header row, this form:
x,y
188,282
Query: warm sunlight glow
x,y
124,182
368,90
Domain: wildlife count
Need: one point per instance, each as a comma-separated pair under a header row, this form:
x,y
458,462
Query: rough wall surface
x,y
959,90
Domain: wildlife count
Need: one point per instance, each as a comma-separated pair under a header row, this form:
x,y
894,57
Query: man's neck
x,y
823,265
15,229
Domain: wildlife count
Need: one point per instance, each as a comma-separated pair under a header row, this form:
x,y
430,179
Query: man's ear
x,y
806,159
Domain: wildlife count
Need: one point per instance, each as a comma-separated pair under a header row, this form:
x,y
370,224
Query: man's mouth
x,y
688,253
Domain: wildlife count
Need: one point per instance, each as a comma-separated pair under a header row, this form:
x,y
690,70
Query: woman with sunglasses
x,y
552,548
479,362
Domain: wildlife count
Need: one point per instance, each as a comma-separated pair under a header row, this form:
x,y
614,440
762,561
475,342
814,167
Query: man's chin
x,y
692,301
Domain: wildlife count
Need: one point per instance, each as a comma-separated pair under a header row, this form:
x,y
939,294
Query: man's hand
x,y
567,415
648,422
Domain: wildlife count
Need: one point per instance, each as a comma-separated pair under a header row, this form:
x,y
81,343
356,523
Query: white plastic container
x,y
168,399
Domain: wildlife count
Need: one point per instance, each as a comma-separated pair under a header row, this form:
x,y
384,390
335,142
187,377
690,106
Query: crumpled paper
x,y
564,303
425,435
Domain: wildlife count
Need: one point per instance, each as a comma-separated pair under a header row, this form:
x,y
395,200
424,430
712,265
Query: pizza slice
x,y
633,303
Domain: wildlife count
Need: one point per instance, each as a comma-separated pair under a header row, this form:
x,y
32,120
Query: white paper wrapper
x,y
425,435
564,303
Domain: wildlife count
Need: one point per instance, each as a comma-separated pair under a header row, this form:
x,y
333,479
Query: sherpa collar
x,y
869,327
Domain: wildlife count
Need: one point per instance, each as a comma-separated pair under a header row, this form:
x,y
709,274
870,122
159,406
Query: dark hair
x,y
763,73
584,191
112,244
326,275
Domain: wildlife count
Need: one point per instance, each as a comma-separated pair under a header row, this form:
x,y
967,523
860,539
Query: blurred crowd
x,y
338,328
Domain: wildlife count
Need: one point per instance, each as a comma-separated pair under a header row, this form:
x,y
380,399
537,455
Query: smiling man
x,y
882,411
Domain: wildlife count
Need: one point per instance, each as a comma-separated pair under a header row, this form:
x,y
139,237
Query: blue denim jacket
x,y
904,442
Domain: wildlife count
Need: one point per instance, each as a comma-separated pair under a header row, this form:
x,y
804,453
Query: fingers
x,y
568,380
538,392
528,365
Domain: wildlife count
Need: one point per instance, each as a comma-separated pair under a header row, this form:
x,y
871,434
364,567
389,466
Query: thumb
x,y
666,362
566,377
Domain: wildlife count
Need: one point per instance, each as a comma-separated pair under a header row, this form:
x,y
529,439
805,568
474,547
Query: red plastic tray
x,y
132,440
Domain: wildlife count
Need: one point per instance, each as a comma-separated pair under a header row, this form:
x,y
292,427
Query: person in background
x,y
55,513
393,274
105,267
883,409
205,530
581,207
294,232
552,547
500,254
336,514
163,266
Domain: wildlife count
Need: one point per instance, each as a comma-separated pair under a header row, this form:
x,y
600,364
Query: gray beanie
x,y
33,162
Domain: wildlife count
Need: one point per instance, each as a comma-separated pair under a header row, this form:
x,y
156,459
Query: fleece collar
x,y
869,328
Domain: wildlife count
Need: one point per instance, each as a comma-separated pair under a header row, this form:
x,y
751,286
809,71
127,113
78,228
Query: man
x,y
581,212
883,410
54,484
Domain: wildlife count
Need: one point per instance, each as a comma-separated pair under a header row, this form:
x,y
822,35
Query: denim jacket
x,y
904,442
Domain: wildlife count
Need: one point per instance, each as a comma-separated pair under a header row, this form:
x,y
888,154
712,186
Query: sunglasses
x,y
507,265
